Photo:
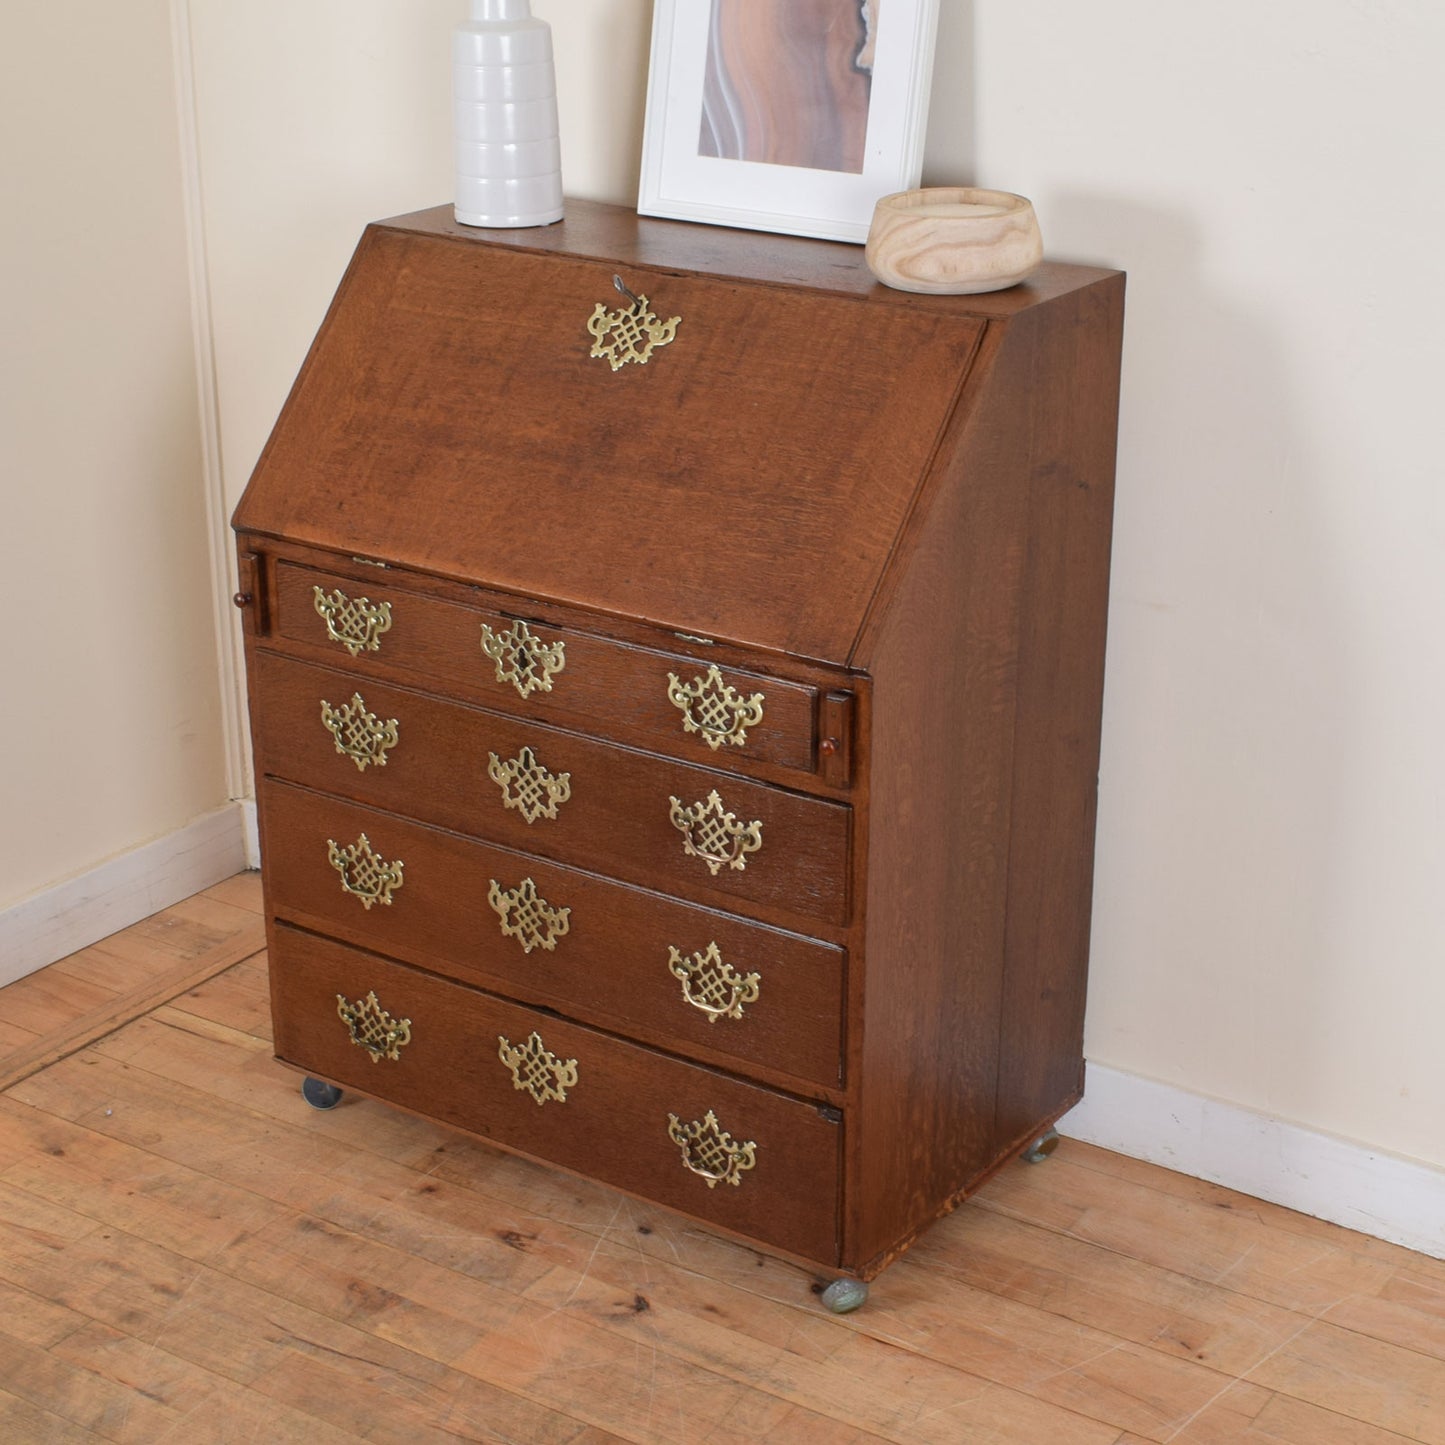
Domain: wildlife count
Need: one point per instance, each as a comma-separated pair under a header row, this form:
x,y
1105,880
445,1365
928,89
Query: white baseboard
x,y
250,833
121,891
1318,1174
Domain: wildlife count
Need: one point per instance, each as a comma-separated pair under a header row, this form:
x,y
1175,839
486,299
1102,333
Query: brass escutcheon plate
x,y
536,1070
528,787
524,659
526,916
630,334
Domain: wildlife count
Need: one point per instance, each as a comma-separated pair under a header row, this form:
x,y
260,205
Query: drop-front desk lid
x,y
748,482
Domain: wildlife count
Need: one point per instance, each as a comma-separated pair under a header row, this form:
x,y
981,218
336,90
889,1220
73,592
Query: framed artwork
x,y
785,115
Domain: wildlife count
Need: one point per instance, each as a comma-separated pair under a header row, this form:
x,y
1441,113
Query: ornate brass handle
x,y
714,708
372,1028
365,874
711,985
359,735
629,334
537,1070
356,623
710,1151
523,659
526,916
528,787
713,834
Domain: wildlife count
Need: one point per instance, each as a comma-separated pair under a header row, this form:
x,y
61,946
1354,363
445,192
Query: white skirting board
x,y
1380,1194
250,833
121,891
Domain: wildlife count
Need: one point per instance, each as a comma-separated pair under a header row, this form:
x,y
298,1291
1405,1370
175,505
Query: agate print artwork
x,y
788,82
785,115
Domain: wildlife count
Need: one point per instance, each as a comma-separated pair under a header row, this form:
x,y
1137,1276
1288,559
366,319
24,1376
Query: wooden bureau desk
x,y
676,711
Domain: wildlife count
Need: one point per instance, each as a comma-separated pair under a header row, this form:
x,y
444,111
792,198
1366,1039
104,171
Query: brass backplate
x,y
709,1151
629,334
357,623
372,1028
365,874
711,985
713,834
536,1070
360,734
714,708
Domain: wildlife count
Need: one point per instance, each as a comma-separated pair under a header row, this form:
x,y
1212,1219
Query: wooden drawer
x,y
617,816
604,687
607,958
613,1123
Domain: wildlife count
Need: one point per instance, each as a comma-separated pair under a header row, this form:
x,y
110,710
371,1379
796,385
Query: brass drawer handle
x,y
523,659
537,1070
365,874
528,787
710,1151
372,1028
711,985
359,734
526,916
631,333
713,834
357,624
715,708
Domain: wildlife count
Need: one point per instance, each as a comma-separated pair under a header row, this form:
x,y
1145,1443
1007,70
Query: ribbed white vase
x,y
504,127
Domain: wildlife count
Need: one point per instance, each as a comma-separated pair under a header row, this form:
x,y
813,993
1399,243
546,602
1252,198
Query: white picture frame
x,y
680,183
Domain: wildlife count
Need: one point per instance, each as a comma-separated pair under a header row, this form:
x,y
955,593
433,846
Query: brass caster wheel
x,y
1042,1147
844,1296
320,1095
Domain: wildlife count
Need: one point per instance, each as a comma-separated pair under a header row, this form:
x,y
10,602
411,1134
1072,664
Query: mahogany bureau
x,y
675,667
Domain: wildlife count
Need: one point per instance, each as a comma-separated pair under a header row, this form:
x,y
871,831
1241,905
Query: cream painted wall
x,y
1271,849
108,677
1270,841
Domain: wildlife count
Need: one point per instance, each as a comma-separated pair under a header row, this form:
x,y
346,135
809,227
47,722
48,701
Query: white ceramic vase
x,y
504,118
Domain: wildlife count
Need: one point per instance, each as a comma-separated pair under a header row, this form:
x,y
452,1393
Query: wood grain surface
x,y
611,966
775,421
608,689
618,819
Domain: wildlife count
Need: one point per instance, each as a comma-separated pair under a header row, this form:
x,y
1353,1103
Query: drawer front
x,y
632,815
629,960
677,703
605,1108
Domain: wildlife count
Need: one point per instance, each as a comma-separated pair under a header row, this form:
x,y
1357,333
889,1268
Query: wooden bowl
x,y
953,239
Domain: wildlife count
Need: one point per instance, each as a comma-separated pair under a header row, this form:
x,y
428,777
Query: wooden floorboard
x,y
188,1253
57,1010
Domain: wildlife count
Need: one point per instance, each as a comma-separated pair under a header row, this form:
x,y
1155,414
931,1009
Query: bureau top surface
x,y
749,482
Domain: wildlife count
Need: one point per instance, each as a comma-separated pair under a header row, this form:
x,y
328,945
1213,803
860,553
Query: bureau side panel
x,y
942,657
1073,432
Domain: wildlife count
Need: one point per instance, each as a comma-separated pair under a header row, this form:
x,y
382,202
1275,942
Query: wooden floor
x,y
189,1254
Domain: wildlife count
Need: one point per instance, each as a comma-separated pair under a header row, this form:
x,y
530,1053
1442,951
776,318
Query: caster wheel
x,y
1042,1147
320,1095
844,1295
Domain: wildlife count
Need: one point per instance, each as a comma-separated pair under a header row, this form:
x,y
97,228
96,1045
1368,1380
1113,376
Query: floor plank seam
x,y
119,1015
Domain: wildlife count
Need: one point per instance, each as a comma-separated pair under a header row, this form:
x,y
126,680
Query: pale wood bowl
x,y
953,239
